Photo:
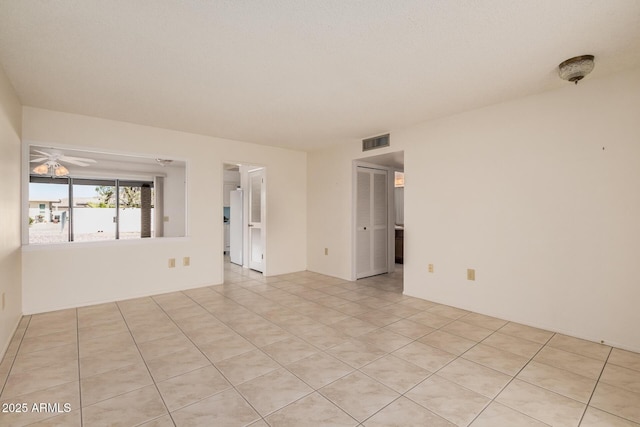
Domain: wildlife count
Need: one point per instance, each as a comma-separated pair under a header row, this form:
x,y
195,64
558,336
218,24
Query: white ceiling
x,y
301,73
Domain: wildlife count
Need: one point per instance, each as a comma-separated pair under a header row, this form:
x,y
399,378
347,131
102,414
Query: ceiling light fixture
x,y
575,69
56,169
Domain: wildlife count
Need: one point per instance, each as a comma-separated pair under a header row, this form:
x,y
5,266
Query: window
x,y
103,197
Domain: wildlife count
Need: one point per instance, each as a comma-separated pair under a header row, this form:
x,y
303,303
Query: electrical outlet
x,y
172,262
471,274
165,218
430,268
186,261
326,251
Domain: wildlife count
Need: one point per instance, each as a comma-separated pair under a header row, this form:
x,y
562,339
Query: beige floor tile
x,y
430,319
92,347
541,404
526,332
596,418
273,391
247,366
70,419
352,308
143,333
467,330
328,316
401,310
445,341
323,337
497,414
312,410
33,380
39,359
164,421
131,408
413,330
579,346
503,361
515,345
112,383
289,350
354,327
225,348
108,361
201,319
448,311
319,369
475,377
178,363
418,303
485,321
385,340
585,366
207,334
617,401
626,359
103,329
396,373
191,387
425,356
558,380
227,409
358,395
618,376
379,318
356,353
449,400
163,346
265,335
68,393
44,342
301,321
406,413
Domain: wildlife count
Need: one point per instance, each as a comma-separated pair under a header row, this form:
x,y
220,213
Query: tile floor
x,y
307,350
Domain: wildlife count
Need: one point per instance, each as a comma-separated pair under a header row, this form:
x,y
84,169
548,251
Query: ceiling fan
x,y
51,163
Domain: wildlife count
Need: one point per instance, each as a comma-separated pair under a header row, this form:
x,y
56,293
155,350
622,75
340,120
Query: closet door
x,y
371,222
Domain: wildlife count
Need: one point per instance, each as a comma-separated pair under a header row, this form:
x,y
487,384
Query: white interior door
x,y
371,222
256,219
236,227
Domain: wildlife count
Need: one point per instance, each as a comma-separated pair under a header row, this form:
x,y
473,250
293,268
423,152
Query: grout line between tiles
x,y
210,361
595,386
145,365
15,356
79,378
511,380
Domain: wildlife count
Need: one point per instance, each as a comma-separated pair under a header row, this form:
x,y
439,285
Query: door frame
x,y
390,215
263,214
245,167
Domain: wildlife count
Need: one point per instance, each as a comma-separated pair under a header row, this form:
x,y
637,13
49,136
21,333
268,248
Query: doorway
x,y
378,205
244,219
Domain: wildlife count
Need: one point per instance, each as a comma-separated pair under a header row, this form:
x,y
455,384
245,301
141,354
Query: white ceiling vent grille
x,y
375,142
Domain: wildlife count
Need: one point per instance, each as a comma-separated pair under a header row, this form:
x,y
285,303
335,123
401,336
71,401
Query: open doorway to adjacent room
x,y
378,216
244,219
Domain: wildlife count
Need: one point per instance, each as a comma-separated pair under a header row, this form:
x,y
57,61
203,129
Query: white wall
x,y
524,193
10,273
74,274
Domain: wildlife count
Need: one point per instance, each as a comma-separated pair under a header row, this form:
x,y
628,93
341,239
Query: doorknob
x,y
250,225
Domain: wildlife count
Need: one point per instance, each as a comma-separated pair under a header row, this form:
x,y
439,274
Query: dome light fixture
x,y
574,69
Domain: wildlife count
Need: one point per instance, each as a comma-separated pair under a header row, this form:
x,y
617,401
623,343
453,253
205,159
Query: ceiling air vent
x,y
375,142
